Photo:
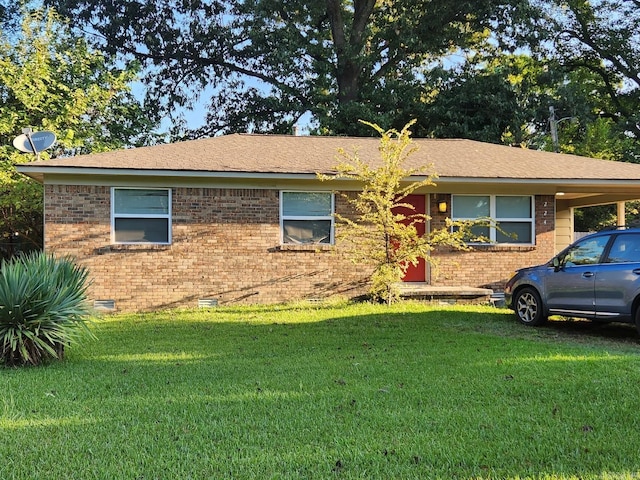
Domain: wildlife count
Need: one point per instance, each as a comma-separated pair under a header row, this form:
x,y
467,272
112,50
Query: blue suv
x,y
597,277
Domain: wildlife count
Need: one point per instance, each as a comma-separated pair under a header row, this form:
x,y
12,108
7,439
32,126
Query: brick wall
x,y
226,245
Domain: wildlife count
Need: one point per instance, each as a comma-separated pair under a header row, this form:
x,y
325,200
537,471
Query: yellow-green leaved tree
x,y
51,80
383,233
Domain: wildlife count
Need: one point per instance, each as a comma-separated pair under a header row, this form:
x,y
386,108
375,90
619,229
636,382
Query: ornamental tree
x,y
383,233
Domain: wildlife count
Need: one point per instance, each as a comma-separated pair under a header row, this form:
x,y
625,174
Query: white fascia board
x,y
95,173
98,172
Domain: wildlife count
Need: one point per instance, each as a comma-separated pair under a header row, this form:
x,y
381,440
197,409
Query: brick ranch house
x,y
243,218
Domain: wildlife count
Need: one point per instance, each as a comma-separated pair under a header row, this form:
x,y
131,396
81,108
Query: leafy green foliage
x,y
489,98
265,63
592,219
458,67
384,233
598,42
50,80
42,308
9,11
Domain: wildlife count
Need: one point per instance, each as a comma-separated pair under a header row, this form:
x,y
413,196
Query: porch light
x,y
442,206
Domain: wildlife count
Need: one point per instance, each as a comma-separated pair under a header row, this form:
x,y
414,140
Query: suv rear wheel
x,y
528,307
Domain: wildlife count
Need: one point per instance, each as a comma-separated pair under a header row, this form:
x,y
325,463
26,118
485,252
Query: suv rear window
x,y
625,249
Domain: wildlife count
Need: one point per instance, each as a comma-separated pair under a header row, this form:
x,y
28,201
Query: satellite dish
x,y
34,142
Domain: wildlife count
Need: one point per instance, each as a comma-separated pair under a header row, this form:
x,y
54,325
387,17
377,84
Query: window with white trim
x,y
513,214
141,215
306,217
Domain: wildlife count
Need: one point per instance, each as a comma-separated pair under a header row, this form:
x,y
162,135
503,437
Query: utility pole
x,y
553,126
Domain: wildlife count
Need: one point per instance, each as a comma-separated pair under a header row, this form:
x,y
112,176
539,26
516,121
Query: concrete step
x,y
446,294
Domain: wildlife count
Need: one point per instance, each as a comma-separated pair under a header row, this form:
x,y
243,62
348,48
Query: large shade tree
x,y
595,45
598,42
495,97
50,80
265,63
260,65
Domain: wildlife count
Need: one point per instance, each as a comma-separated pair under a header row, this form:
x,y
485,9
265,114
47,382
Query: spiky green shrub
x,y
43,308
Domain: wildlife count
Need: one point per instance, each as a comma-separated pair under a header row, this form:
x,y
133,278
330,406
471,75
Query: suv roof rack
x,y
615,227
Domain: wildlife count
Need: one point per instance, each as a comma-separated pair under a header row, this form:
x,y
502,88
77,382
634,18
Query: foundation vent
x,y
104,305
207,302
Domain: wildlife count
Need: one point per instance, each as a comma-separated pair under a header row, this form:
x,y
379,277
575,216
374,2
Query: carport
x,y
572,196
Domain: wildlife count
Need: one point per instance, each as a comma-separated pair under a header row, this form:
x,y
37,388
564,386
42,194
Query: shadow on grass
x,y
229,325
579,329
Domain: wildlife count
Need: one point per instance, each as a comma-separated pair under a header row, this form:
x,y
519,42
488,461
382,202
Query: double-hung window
x,y
510,218
141,215
306,217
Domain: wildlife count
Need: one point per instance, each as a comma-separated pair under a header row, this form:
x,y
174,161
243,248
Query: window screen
x,y
511,216
306,217
141,215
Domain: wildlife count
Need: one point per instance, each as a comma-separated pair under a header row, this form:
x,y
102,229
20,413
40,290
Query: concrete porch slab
x,y
465,294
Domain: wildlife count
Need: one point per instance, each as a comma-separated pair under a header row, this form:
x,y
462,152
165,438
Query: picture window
x,y
510,218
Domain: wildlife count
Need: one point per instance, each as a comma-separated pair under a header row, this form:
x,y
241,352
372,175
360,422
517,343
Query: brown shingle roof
x,y
284,154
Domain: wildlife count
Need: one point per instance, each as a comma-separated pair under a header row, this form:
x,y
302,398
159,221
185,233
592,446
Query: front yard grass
x,y
334,391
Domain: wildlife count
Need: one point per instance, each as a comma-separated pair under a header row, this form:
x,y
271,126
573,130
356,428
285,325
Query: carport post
x,y
621,214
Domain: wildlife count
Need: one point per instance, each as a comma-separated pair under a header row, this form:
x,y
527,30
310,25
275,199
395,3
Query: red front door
x,y
415,273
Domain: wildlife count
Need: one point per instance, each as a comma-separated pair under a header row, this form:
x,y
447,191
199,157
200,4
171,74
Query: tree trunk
x,y
348,49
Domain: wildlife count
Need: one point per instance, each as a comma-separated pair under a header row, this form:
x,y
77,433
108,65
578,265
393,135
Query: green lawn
x,y
342,391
